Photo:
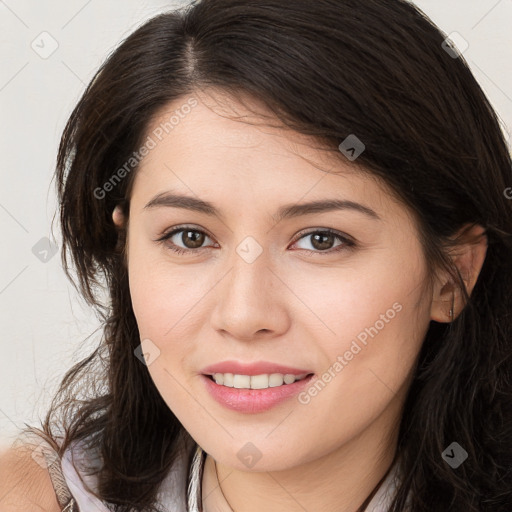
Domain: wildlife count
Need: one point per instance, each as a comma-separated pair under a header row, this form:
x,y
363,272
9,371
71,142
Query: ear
x,y
468,256
118,217
122,236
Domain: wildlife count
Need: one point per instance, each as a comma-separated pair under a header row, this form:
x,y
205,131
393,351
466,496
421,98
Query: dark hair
x,y
330,68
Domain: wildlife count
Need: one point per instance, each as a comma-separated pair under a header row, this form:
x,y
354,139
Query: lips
x,y
256,368
253,401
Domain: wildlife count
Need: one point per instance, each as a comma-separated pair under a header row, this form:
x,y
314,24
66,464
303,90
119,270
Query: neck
x,y
339,481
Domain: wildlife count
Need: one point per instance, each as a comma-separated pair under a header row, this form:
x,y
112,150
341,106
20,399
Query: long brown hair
x,y
328,68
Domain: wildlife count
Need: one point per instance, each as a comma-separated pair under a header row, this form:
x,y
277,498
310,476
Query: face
x,y
337,293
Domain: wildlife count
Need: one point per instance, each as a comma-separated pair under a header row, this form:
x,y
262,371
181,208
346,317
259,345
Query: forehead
x,y
209,143
210,122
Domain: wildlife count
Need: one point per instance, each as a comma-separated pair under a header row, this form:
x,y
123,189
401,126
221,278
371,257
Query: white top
x,y
170,501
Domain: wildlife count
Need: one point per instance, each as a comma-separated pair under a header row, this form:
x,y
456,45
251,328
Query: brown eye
x,y
323,241
192,239
184,239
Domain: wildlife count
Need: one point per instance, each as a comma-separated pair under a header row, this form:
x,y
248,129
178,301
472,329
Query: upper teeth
x,y
255,381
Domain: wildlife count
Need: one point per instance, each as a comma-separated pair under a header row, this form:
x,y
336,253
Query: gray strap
x,y
71,506
64,496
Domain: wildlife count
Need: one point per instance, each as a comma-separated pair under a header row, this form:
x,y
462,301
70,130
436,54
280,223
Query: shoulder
x,y
24,483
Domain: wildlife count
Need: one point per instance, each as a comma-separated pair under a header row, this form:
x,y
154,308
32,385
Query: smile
x,y
236,393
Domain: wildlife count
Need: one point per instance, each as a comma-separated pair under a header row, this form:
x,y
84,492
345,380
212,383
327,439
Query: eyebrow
x,y
172,200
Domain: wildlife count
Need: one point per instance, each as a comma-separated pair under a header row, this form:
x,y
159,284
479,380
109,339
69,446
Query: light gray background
x,y
44,323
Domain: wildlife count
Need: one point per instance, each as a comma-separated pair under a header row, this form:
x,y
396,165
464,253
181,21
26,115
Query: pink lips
x,y
250,401
258,368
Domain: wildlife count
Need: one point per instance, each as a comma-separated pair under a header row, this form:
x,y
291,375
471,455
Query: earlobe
x,y
468,257
118,217
121,228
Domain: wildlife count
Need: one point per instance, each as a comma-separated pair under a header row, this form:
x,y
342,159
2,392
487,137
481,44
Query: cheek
x,y
369,326
368,297
366,375
164,299
162,292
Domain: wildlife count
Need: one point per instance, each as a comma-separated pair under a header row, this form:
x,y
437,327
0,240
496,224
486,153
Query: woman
x,y
301,214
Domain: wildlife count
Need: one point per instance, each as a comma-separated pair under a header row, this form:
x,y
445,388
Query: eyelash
x,y
347,244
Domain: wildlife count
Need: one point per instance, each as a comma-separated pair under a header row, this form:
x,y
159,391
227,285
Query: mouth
x,y
254,387
252,394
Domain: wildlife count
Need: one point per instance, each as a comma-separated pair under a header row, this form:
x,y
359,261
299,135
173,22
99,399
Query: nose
x,y
250,301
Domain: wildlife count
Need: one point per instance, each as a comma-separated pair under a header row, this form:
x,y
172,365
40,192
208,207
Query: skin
x,y
25,484
286,307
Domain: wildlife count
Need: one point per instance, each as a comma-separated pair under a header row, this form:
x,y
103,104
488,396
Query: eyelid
x,y
299,235
310,231
181,227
